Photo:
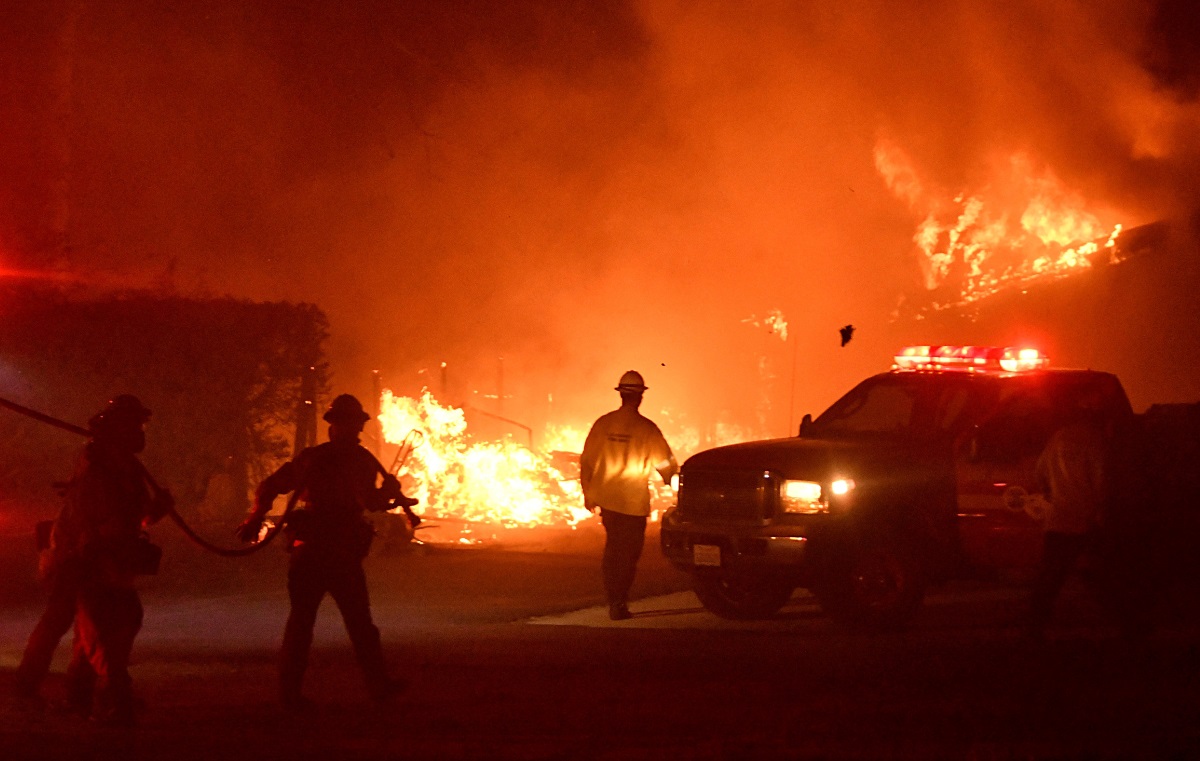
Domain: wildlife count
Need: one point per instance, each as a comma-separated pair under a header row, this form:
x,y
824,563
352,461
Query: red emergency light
x,y
974,359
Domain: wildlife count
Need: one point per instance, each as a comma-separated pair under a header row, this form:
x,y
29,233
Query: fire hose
x,y
413,440
229,552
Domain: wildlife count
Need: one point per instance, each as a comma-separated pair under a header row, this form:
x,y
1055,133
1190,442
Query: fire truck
x,y
916,476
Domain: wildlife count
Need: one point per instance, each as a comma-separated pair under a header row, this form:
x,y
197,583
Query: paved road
x,y
511,655
960,605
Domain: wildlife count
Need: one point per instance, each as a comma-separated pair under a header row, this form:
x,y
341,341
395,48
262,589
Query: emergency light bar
x,y
973,359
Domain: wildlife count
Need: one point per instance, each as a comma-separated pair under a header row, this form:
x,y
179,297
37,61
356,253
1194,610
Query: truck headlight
x,y
802,497
842,487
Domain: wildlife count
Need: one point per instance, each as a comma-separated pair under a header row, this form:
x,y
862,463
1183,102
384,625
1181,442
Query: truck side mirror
x,y
805,424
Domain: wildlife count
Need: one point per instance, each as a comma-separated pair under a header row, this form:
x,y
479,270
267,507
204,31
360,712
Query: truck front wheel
x,y
873,585
740,597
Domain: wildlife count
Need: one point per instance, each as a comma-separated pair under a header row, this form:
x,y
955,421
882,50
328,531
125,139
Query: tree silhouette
x,y
223,376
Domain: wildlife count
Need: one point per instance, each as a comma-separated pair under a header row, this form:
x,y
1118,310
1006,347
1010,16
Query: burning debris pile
x,y
500,483
490,486
1024,226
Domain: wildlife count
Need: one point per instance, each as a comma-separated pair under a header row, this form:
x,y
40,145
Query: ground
x,y
510,654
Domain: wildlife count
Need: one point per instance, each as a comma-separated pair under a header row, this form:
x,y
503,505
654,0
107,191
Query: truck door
x,y
999,504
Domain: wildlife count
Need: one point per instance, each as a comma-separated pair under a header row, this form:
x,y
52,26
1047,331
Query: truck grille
x,y
726,495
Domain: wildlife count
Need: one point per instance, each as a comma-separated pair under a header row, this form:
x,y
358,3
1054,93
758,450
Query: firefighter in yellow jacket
x,y
334,484
622,452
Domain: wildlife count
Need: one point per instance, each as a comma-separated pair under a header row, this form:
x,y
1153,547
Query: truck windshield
x,y
903,405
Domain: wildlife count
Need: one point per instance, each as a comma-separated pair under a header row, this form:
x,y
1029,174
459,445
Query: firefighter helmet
x,y
631,381
346,409
120,410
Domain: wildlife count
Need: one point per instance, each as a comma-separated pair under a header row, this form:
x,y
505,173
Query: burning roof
x,y
1022,227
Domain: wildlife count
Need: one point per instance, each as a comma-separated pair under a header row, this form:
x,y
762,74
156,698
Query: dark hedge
x,y
223,376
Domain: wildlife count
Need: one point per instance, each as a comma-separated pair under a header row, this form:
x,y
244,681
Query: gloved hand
x,y
390,489
249,530
393,492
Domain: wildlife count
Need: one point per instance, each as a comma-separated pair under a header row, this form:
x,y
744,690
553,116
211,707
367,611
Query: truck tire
x,y
873,585
741,597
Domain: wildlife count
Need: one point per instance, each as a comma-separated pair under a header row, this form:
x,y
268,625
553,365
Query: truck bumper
x,y
689,547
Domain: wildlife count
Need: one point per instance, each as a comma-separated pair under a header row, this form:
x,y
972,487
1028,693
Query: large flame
x,y
497,482
1026,225
505,484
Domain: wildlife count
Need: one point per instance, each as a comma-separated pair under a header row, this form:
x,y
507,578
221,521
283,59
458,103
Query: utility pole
x,y
306,412
377,432
792,391
500,385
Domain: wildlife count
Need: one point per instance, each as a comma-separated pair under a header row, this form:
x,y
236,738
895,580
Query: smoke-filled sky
x,y
577,187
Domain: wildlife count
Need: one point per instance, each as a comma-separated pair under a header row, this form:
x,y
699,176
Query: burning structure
x,y
589,187
1131,311
501,483
475,488
1025,227
1026,259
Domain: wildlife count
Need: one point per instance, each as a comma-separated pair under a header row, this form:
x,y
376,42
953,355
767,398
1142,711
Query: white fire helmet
x,y
631,381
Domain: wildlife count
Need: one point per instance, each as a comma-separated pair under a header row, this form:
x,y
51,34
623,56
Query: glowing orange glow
x,y
1026,226
505,484
563,438
497,482
28,274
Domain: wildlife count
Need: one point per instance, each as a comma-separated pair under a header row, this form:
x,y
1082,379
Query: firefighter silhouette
x,y
97,548
333,484
622,451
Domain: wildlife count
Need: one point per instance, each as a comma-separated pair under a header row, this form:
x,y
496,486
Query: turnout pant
x,y
55,622
107,619
312,574
624,537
